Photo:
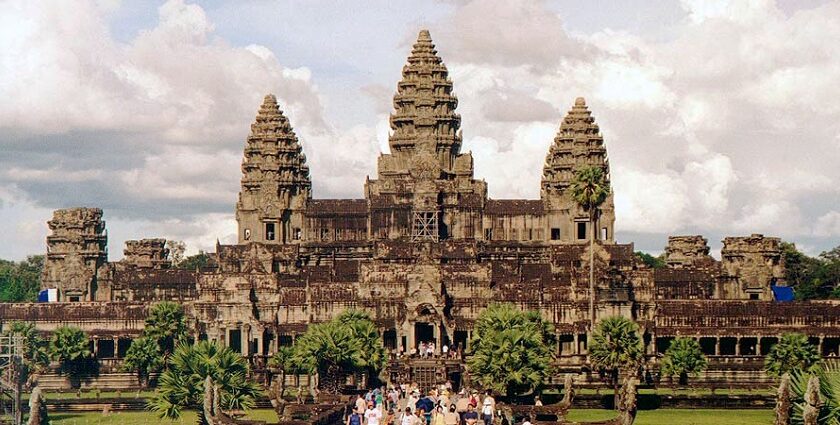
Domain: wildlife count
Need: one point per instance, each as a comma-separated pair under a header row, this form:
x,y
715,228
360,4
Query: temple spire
x,y
424,121
578,143
275,177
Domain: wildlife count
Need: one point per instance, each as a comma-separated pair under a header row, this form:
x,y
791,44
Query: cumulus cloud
x,y
726,123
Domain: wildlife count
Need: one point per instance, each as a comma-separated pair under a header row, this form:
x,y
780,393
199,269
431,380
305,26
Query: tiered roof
x,y
578,144
273,154
424,118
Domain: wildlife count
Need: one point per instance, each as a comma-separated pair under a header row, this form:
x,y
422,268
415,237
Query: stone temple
x,y
424,252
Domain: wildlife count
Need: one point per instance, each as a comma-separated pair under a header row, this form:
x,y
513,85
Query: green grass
x,y
144,418
647,417
682,416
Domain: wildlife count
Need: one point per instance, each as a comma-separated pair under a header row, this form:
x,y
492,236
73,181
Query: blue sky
x,y
720,117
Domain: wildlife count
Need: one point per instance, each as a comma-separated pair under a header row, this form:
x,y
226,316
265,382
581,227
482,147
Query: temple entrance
x,y
423,332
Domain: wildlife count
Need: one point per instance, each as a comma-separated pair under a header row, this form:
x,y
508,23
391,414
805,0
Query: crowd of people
x,y
407,404
429,350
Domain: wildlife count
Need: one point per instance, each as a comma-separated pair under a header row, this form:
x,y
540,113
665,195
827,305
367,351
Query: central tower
x,y
425,189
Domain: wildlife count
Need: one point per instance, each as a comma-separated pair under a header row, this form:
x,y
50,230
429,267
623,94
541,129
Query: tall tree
x,y
182,385
36,356
511,351
616,348
143,357
683,358
589,189
793,352
167,325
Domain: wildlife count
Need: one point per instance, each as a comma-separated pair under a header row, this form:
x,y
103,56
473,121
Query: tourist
x,y
360,403
537,401
380,398
388,417
527,421
421,417
438,418
355,418
445,350
373,415
451,417
488,408
461,404
422,349
427,405
430,349
408,417
411,401
471,416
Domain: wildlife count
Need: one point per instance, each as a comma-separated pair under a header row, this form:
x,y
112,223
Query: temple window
x,y
555,233
604,233
581,230
296,233
269,231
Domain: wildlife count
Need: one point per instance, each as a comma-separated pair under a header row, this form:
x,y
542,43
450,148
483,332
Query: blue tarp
x,y
782,293
44,296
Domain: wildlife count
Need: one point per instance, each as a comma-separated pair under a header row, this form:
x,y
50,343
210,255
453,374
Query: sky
x,y
720,117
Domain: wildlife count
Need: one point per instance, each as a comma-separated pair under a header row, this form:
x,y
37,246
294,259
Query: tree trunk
x,y
329,379
592,269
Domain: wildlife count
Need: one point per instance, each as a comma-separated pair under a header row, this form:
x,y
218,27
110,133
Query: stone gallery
x,y
424,252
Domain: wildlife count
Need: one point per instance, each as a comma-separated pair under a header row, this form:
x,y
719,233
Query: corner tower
x,y
425,188
275,180
578,144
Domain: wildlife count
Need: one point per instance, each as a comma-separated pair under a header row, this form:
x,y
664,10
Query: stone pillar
x,y
95,347
577,344
116,341
260,341
820,346
717,346
411,342
244,339
738,346
438,338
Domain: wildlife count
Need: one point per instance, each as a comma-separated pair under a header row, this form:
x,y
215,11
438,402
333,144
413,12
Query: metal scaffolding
x,y
11,373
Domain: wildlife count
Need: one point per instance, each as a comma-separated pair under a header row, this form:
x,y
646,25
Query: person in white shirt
x,y
373,415
408,417
488,408
445,350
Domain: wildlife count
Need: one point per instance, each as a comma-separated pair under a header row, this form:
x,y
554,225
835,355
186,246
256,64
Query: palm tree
x,y
329,349
70,346
616,347
684,357
511,351
167,325
372,355
589,189
143,357
792,352
182,385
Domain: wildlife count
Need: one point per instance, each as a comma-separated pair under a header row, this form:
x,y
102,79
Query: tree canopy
x,y
650,260
793,352
21,281
511,351
181,386
589,187
616,345
347,344
684,358
70,346
166,324
143,357
812,277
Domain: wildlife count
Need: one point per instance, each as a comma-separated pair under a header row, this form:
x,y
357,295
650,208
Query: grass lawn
x,y
682,416
646,417
143,418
